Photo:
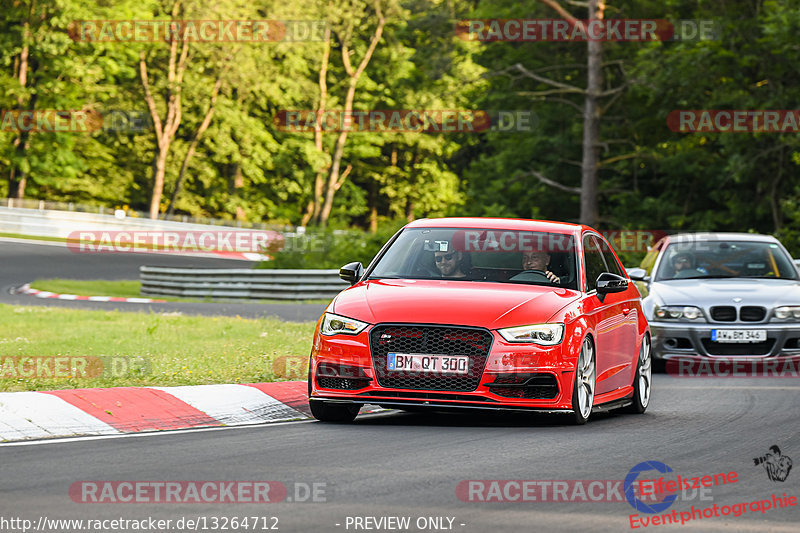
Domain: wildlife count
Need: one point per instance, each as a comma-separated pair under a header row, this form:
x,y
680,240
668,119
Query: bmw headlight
x,y
544,334
787,311
678,312
337,324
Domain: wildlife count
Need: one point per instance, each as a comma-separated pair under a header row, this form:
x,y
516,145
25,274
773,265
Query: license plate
x,y
738,335
428,363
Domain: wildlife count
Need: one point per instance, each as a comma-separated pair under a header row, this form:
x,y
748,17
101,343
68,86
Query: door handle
x,y
626,311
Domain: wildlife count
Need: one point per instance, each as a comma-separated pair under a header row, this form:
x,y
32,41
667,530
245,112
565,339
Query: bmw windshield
x,y
725,259
469,254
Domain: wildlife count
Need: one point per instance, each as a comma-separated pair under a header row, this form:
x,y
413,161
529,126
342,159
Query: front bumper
x,y
673,340
515,377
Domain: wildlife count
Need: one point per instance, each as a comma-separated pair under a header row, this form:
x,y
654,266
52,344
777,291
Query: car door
x,y
629,305
608,320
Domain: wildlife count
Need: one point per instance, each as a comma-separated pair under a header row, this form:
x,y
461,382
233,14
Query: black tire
x,y
642,379
584,384
333,412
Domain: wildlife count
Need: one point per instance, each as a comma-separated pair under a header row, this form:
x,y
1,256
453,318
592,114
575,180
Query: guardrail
x,y
254,284
61,224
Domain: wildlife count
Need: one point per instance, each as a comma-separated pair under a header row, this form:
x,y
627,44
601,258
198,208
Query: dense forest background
x,y
210,145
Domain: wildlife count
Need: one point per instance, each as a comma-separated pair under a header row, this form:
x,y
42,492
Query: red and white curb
x,y
26,289
112,411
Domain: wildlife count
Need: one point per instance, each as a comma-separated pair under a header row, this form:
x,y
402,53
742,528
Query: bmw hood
x,y
468,303
729,291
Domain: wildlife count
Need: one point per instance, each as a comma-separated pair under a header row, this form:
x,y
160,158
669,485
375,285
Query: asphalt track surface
x,y
23,262
403,464
399,464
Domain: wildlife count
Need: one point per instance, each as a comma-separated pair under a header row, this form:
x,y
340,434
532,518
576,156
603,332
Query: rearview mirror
x,y
351,272
638,274
608,282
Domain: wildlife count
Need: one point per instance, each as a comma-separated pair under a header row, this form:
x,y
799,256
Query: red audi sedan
x,y
484,313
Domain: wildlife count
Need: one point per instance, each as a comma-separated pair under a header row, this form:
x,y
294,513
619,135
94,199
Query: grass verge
x,y
32,237
154,349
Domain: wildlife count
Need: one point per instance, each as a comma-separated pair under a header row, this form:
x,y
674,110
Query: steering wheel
x,y
541,273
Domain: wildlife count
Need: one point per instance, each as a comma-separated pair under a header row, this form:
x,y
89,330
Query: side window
x,y
593,259
611,261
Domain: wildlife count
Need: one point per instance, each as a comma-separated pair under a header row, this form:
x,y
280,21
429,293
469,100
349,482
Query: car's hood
x,y
469,303
706,292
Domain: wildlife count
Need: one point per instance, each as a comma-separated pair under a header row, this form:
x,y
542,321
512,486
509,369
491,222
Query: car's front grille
x,y
431,340
723,348
527,386
752,313
723,313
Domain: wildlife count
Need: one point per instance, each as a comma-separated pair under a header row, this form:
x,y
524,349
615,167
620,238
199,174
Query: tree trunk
x,y
373,207
238,184
193,145
591,121
158,180
315,206
17,178
165,132
334,179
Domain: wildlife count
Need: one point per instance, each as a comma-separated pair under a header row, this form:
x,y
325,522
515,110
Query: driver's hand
x,y
552,277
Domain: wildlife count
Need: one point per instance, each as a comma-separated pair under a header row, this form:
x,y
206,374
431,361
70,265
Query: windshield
x,y
469,254
725,259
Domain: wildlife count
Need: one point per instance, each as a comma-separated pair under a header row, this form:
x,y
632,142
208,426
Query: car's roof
x,y
721,236
516,224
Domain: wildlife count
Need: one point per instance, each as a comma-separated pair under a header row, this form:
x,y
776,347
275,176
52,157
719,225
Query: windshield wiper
x,y
710,276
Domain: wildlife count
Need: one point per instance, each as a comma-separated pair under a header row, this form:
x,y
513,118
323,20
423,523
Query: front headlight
x,y
544,334
677,312
336,324
787,311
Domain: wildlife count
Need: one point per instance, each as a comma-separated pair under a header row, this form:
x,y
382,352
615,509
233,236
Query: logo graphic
x,y
777,466
636,503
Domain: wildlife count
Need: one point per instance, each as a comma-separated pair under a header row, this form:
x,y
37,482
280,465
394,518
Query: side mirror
x,y
638,274
608,282
351,272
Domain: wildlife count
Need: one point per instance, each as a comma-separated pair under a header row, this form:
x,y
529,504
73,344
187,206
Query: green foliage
x,y
330,248
246,167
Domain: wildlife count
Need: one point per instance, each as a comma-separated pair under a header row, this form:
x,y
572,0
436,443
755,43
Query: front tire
x,y
583,388
331,412
643,379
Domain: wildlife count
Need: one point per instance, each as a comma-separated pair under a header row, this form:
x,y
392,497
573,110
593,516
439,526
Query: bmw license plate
x,y
738,335
428,363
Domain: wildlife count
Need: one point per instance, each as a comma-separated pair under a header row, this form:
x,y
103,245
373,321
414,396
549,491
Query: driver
x,y
449,264
683,264
539,261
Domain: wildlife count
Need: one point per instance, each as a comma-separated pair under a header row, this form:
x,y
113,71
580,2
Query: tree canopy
x,y
193,127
